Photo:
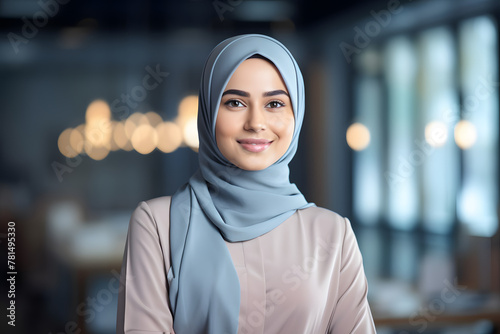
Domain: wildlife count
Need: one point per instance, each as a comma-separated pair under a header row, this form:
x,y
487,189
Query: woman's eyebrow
x,y
246,94
236,92
275,92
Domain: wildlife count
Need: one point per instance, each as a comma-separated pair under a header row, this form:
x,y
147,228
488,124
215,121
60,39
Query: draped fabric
x,y
223,202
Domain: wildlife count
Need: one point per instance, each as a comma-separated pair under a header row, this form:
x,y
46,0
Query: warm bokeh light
x,y
465,134
98,133
97,153
358,136
77,139
97,111
190,132
112,145
153,118
144,139
63,142
134,121
436,133
143,132
188,109
187,118
120,137
169,136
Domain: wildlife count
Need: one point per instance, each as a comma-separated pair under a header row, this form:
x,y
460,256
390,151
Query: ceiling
x,y
165,15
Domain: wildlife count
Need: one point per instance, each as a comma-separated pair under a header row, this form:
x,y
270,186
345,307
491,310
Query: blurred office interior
x,y
98,107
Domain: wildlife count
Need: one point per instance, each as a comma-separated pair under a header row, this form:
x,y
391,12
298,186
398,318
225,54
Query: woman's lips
x,y
255,145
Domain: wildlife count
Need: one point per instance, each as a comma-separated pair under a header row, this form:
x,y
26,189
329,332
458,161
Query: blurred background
x,y
97,113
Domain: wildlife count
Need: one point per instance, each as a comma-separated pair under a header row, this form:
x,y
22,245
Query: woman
x,y
238,249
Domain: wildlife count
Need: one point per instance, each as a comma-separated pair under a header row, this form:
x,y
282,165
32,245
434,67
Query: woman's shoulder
x,y
317,212
324,218
159,204
153,211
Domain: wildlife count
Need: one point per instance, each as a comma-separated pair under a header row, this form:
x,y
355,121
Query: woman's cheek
x,y
227,124
283,125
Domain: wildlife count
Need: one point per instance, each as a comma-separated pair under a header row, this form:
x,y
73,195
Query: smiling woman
x,y
255,119
238,249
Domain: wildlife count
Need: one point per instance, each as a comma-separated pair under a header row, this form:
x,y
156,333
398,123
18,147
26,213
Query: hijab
x,y
223,202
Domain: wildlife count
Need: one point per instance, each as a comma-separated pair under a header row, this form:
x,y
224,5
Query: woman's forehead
x,y
259,74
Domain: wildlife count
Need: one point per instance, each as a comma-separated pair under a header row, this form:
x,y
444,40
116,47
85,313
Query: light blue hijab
x,y
222,201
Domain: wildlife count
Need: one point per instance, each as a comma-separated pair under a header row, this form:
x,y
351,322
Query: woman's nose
x,y
256,120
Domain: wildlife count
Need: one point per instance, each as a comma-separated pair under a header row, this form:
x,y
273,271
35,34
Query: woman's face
x,y
255,121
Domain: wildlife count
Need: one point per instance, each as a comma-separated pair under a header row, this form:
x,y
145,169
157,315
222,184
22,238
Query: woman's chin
x,y
252,166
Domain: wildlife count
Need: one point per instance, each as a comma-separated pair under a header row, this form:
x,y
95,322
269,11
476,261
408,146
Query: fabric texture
x,y
305,276
223,202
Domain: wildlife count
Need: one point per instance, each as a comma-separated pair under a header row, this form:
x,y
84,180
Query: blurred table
x,y
450,308
94,248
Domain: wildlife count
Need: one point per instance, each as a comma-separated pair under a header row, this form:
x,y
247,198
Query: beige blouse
x,y
304,276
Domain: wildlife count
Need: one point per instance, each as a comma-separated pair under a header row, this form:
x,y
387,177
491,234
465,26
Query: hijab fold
x,y
223,202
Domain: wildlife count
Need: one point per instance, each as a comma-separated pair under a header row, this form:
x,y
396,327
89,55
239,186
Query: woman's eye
x,y
275,104
234,104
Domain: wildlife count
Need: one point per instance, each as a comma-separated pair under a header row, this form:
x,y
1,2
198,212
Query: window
x,y
431,110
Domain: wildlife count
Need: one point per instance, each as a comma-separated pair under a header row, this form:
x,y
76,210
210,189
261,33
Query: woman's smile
x,y
255,145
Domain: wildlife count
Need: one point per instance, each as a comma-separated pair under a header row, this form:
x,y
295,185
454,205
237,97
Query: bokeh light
x,y
436,133
153,118
97,152
120,137
98,133
190,132
97,111
465,134
187,118
77,138
144,139
63,142
169,136
188,109
143,132
358,136
113,146
133,122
